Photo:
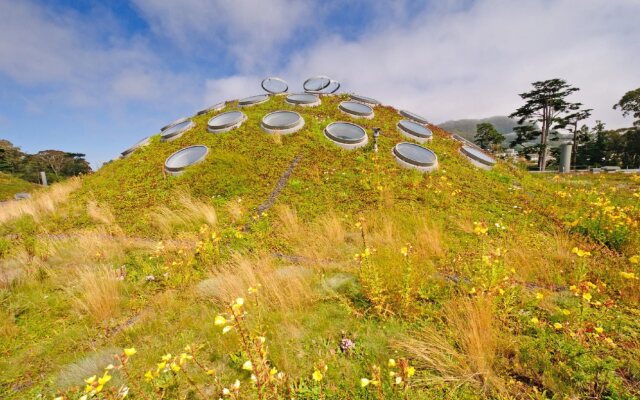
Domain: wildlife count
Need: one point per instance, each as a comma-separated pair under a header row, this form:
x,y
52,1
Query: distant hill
x,y
467,127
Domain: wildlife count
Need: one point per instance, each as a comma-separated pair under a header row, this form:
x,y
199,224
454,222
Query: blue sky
x,y
96,76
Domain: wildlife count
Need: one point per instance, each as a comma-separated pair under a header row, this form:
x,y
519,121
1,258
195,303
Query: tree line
x,y
56,164
548,116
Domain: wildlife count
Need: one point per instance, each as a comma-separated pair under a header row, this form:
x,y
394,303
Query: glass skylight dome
x,y
346,135
282,122
176,122
226,121
215,107
136,146
303,99
410,155
364,99
274,85
175,131
321,85
415,117
415,131
181,159
253,100
356,109
478,157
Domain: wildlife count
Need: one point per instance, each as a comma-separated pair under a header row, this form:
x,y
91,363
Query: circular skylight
x,y
274,85
478,157
253,100
133,148
346,135
303,99
364,99
356,109
411,155
181,159
414,131
175,131
413,116
215,107
282,122
316,83
331,88
176,122
226,121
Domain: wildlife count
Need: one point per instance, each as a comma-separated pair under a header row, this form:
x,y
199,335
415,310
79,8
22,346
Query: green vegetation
x,y
57,164
364,281
488,137
10,185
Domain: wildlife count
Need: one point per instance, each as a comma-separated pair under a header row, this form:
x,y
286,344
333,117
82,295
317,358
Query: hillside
x,y
11,185
467,127
283,265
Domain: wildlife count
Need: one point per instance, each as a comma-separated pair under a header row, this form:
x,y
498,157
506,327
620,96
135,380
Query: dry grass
x,y
98,292
546,260
235,210
326,239
190,215
468,358
41,203
282,288
100,213
88,247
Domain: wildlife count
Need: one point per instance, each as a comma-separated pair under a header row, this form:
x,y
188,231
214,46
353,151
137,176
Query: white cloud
x,y
250,30
63,56
455,62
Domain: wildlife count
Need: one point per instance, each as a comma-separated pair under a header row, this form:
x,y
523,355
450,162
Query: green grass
x,y
525,271
11,185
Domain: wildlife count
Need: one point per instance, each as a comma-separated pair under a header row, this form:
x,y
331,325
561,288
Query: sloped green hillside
x,y
10,185
364,280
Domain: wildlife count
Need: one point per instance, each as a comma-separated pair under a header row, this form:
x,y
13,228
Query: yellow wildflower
x,y
534,321
317,375
565,311
226,329
247,366
391,363
411,371
539,296
364,382
148,376
628,275
580,252
404,251
557,325
480,229
220,320
174,367
635,259
130,351
167,357
587,296
599,329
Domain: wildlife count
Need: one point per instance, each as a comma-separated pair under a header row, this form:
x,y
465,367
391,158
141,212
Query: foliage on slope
x,y
10,185
466,273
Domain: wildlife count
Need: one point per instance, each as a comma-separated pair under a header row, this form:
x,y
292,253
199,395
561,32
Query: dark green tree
x,y
488,137
630,104
544,110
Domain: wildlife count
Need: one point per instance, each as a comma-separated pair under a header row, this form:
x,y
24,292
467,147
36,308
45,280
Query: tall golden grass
x,y
41,203
279,288
97,292
189,215
467,356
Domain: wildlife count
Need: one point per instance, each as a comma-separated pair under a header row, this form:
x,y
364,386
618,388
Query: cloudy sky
x,y
97,76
